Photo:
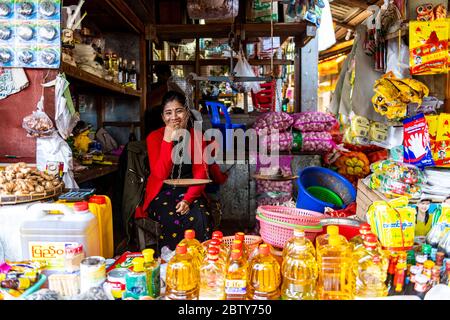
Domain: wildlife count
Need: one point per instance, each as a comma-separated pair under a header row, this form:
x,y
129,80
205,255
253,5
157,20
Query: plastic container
x,y
325,195
182,276
236,275
264,276
44,236
212,277
326,178
299,239
349,228
299,270
194,247
100,206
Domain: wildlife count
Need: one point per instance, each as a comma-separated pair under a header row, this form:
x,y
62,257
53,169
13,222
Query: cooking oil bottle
x,y
358,241
235,245
370,266
241,236
334,261
212,277
152,268
299,239
264,276
299,271
194,247
236,274
223,250
182,276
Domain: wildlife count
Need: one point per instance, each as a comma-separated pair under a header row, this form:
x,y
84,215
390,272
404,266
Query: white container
x,y
45,235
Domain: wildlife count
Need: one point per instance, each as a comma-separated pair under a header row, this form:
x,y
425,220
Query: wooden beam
x,y
125,12
344,25
336,49
361,4
189,31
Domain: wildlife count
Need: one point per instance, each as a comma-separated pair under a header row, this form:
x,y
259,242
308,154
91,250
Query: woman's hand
x,y
182,207
169,132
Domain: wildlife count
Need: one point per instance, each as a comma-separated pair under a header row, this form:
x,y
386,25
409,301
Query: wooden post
x,y
197,71
143,82
100,108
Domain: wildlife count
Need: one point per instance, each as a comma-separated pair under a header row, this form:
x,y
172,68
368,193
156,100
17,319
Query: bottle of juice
x,y
236,274
212,277
264,276
370,265
299,270
136,281
182,276
194,247
336,279
241,236
152,268
358,240
299,239
322,240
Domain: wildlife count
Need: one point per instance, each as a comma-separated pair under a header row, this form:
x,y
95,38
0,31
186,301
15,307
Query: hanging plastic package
x,y
12,80
38,124
398,59
326,35
54,148
244,69
66,117
416,143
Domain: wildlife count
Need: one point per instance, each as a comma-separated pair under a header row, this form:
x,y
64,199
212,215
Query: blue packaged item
x,y
416,142
25,9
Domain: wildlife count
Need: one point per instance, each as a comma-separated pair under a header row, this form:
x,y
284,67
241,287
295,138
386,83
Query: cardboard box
x,y
364,198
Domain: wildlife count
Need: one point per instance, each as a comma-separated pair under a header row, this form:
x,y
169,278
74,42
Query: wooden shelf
x,y
279,29
256,62
77,73
94,172
175,63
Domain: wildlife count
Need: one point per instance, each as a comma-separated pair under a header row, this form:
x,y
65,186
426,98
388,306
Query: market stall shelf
x,y
16,199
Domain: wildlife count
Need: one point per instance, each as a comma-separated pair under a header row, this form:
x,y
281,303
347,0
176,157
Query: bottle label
x,y
154,282
235,287
136,286
420,287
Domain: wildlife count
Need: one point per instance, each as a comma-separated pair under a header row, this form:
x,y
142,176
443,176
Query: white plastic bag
x,y
54,148
397,62
244,69
38,124
326,34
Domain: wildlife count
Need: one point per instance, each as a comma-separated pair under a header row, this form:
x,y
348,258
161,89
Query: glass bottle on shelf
x,y
133,75
114,68
126,75
120,71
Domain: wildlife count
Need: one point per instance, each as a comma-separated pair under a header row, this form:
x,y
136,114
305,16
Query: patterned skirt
x,y
162,209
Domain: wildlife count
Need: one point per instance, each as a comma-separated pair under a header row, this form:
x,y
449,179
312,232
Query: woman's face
x,y
423,206
175,115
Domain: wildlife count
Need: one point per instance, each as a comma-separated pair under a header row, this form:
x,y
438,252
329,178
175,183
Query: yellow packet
x,y
360,126
443,127
444,218
432,122
378,132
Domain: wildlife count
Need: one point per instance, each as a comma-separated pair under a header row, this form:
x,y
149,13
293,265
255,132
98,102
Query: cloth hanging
x,y
12,80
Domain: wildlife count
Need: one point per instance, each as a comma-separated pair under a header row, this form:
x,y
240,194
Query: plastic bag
x,y
106,140
313,121
317,142
38,124
397,62
416,142
399,171
394,188
212,9
280,121
244,69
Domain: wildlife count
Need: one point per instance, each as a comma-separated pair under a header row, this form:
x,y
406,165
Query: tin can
x,y
92,273
116,282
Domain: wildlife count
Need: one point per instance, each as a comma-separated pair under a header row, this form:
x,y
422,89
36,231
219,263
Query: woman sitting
x,y
176,208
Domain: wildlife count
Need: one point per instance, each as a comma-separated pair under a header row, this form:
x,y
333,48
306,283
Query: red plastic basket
x,y
291,215
277,233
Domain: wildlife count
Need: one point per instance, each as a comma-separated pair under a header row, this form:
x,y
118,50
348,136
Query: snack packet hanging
x,y
416,143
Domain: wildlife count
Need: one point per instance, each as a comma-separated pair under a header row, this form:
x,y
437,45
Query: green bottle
x,y
151,267
136,281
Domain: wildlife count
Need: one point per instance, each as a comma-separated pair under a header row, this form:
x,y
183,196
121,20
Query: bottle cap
x,y
239,236
138,264
364,229
148,255
333,240
428,264
213,251
217,234
189,234
181,248
237,244
420,258
236,254
426,248
214,242
414,270
98,199
333,230
299,232
440,258
370,240
436,271
81,206
264,249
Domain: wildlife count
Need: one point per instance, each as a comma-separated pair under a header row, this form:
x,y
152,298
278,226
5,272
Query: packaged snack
x,y
49,9
393,188
399,171
6,9
313,121
393,222
417,142
38,124
358,131
25,9
378,132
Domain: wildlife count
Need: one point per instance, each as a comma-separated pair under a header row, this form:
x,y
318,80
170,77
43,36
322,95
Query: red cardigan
x,y
160,158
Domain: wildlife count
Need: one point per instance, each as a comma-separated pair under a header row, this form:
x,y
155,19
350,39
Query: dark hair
x,y
173,96
427,214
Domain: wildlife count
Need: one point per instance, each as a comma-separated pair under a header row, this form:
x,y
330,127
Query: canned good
x,y
92,273
116,282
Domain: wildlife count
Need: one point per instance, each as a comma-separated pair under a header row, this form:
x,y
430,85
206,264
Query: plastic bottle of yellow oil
x,y
212,277
299,239
265,276
236,274
299,271
182,276
335,279
370,265
241,236
322,240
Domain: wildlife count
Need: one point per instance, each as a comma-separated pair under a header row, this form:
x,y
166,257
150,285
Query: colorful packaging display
x,y
399,171
362,131
393,222
416,142
30,33
441,144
